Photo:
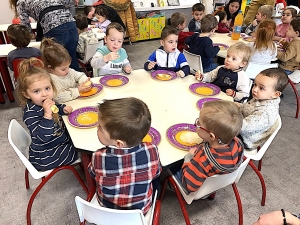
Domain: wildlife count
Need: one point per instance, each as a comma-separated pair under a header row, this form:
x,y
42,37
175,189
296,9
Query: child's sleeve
x,y
152,58
81,46
249,29
242,86
183,65
79,77
209,50
98,61
211,76
289,53
104,25
192,26
91,168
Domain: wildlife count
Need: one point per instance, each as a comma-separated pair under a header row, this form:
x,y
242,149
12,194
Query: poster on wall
x,y
173,2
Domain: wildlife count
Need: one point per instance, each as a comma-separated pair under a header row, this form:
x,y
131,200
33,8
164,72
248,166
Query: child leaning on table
x,y
20,37
168,57
126,170
262,111
220,152
197,13
68,82
231,77
50,146
112,58
201,44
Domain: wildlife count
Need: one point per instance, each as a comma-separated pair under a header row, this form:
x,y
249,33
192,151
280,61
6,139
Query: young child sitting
x,y
68,82
20,37
86,37
201,44
222,25
197,13
287,16
264,12
290,57
126,170
262,111
50,146
168,57
218,125
101,14
112,58
178,21
231,77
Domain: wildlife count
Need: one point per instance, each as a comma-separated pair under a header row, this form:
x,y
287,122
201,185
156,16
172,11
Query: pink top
x,y
281,29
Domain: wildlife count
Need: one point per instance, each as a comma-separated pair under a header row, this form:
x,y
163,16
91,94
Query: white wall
x,y
6,13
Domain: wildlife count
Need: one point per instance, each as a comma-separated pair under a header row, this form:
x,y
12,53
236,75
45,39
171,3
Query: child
x,y
112,58
290,58
178,21
262,111
126,169
20,37
231,77
168,57
287,16
264,12
68,82
232,9
218,125
101,14
263,48
86,36
198,13
222,25
201,44
50,146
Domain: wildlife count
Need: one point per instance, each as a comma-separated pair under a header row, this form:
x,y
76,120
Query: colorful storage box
x,y
150,28
144,29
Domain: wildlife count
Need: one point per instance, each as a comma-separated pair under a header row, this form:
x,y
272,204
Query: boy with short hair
x,y
20,37
231,77
86,37
178,21
201,44
262,111
264,12
168,57
126,169
218,125
197,13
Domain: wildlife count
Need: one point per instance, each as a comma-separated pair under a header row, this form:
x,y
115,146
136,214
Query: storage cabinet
x,y
150,28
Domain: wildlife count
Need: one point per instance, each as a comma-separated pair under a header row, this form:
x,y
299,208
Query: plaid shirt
x,y
123,176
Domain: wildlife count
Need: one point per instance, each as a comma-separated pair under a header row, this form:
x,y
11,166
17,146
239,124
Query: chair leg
x,y
263,185
297,97
259,165
26,179
156,215
239,203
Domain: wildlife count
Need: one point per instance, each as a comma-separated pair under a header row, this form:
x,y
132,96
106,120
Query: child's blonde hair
x,y
177,18
30,71
266,10
223,118
264,36
54,54
242,49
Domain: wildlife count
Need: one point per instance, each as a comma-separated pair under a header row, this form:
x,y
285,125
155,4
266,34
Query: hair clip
x,y
269,26
30,66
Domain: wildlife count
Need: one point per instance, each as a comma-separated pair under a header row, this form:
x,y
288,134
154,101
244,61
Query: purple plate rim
x,y
220,44
105,78
201,101
245,38
216,89
172,73
155,136
99,89
174,128
73,115
242,35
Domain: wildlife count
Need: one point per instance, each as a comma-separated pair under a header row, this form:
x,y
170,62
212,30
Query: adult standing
x,y
55,19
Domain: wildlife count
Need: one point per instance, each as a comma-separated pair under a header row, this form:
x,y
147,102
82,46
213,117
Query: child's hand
x,y
100,31
92,26
68,109
193,150
180,73
151,65
238,104
198,76
254,23
127,69
229,92
47,108
84,88
111,56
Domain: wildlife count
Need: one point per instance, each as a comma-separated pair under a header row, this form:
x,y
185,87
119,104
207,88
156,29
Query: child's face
x,y
103,135
291,33
100,19
170,43
224,20
114,40
39,91
233,7
286,16
198,15
263,88
234,61
61,70
259,17
181,26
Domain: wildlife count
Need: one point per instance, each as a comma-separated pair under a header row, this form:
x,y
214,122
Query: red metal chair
x,y
19,139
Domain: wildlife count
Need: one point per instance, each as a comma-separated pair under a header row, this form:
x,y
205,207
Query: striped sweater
x,y
199,167
50,145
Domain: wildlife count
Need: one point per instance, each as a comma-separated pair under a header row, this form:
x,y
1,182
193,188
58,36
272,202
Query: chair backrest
x,y
194,61
266,145
91,50
94,213
241,169
15,65
253,69
19,139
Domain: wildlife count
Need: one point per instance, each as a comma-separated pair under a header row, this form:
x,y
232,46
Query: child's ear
x,y
297,33
161,42
120,144
276,94
243,64
25,95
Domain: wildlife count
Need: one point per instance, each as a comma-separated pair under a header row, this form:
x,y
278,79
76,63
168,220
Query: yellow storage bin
x,y
144,29
156,26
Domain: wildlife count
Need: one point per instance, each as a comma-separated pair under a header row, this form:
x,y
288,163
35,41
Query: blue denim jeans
x,y
210,68
288,72
67,35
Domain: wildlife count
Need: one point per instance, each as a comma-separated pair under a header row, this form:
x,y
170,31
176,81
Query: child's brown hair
x,y
242,49
177,18
295,23
168,30
126,119
279,74
222,15
101,11
30,70
208,23
198,7
19,35
292,10
223,118
264,35
266,10
81,21
116,26
53,54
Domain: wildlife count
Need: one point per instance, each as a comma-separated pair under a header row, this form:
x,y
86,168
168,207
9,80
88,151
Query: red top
x,y
181,38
